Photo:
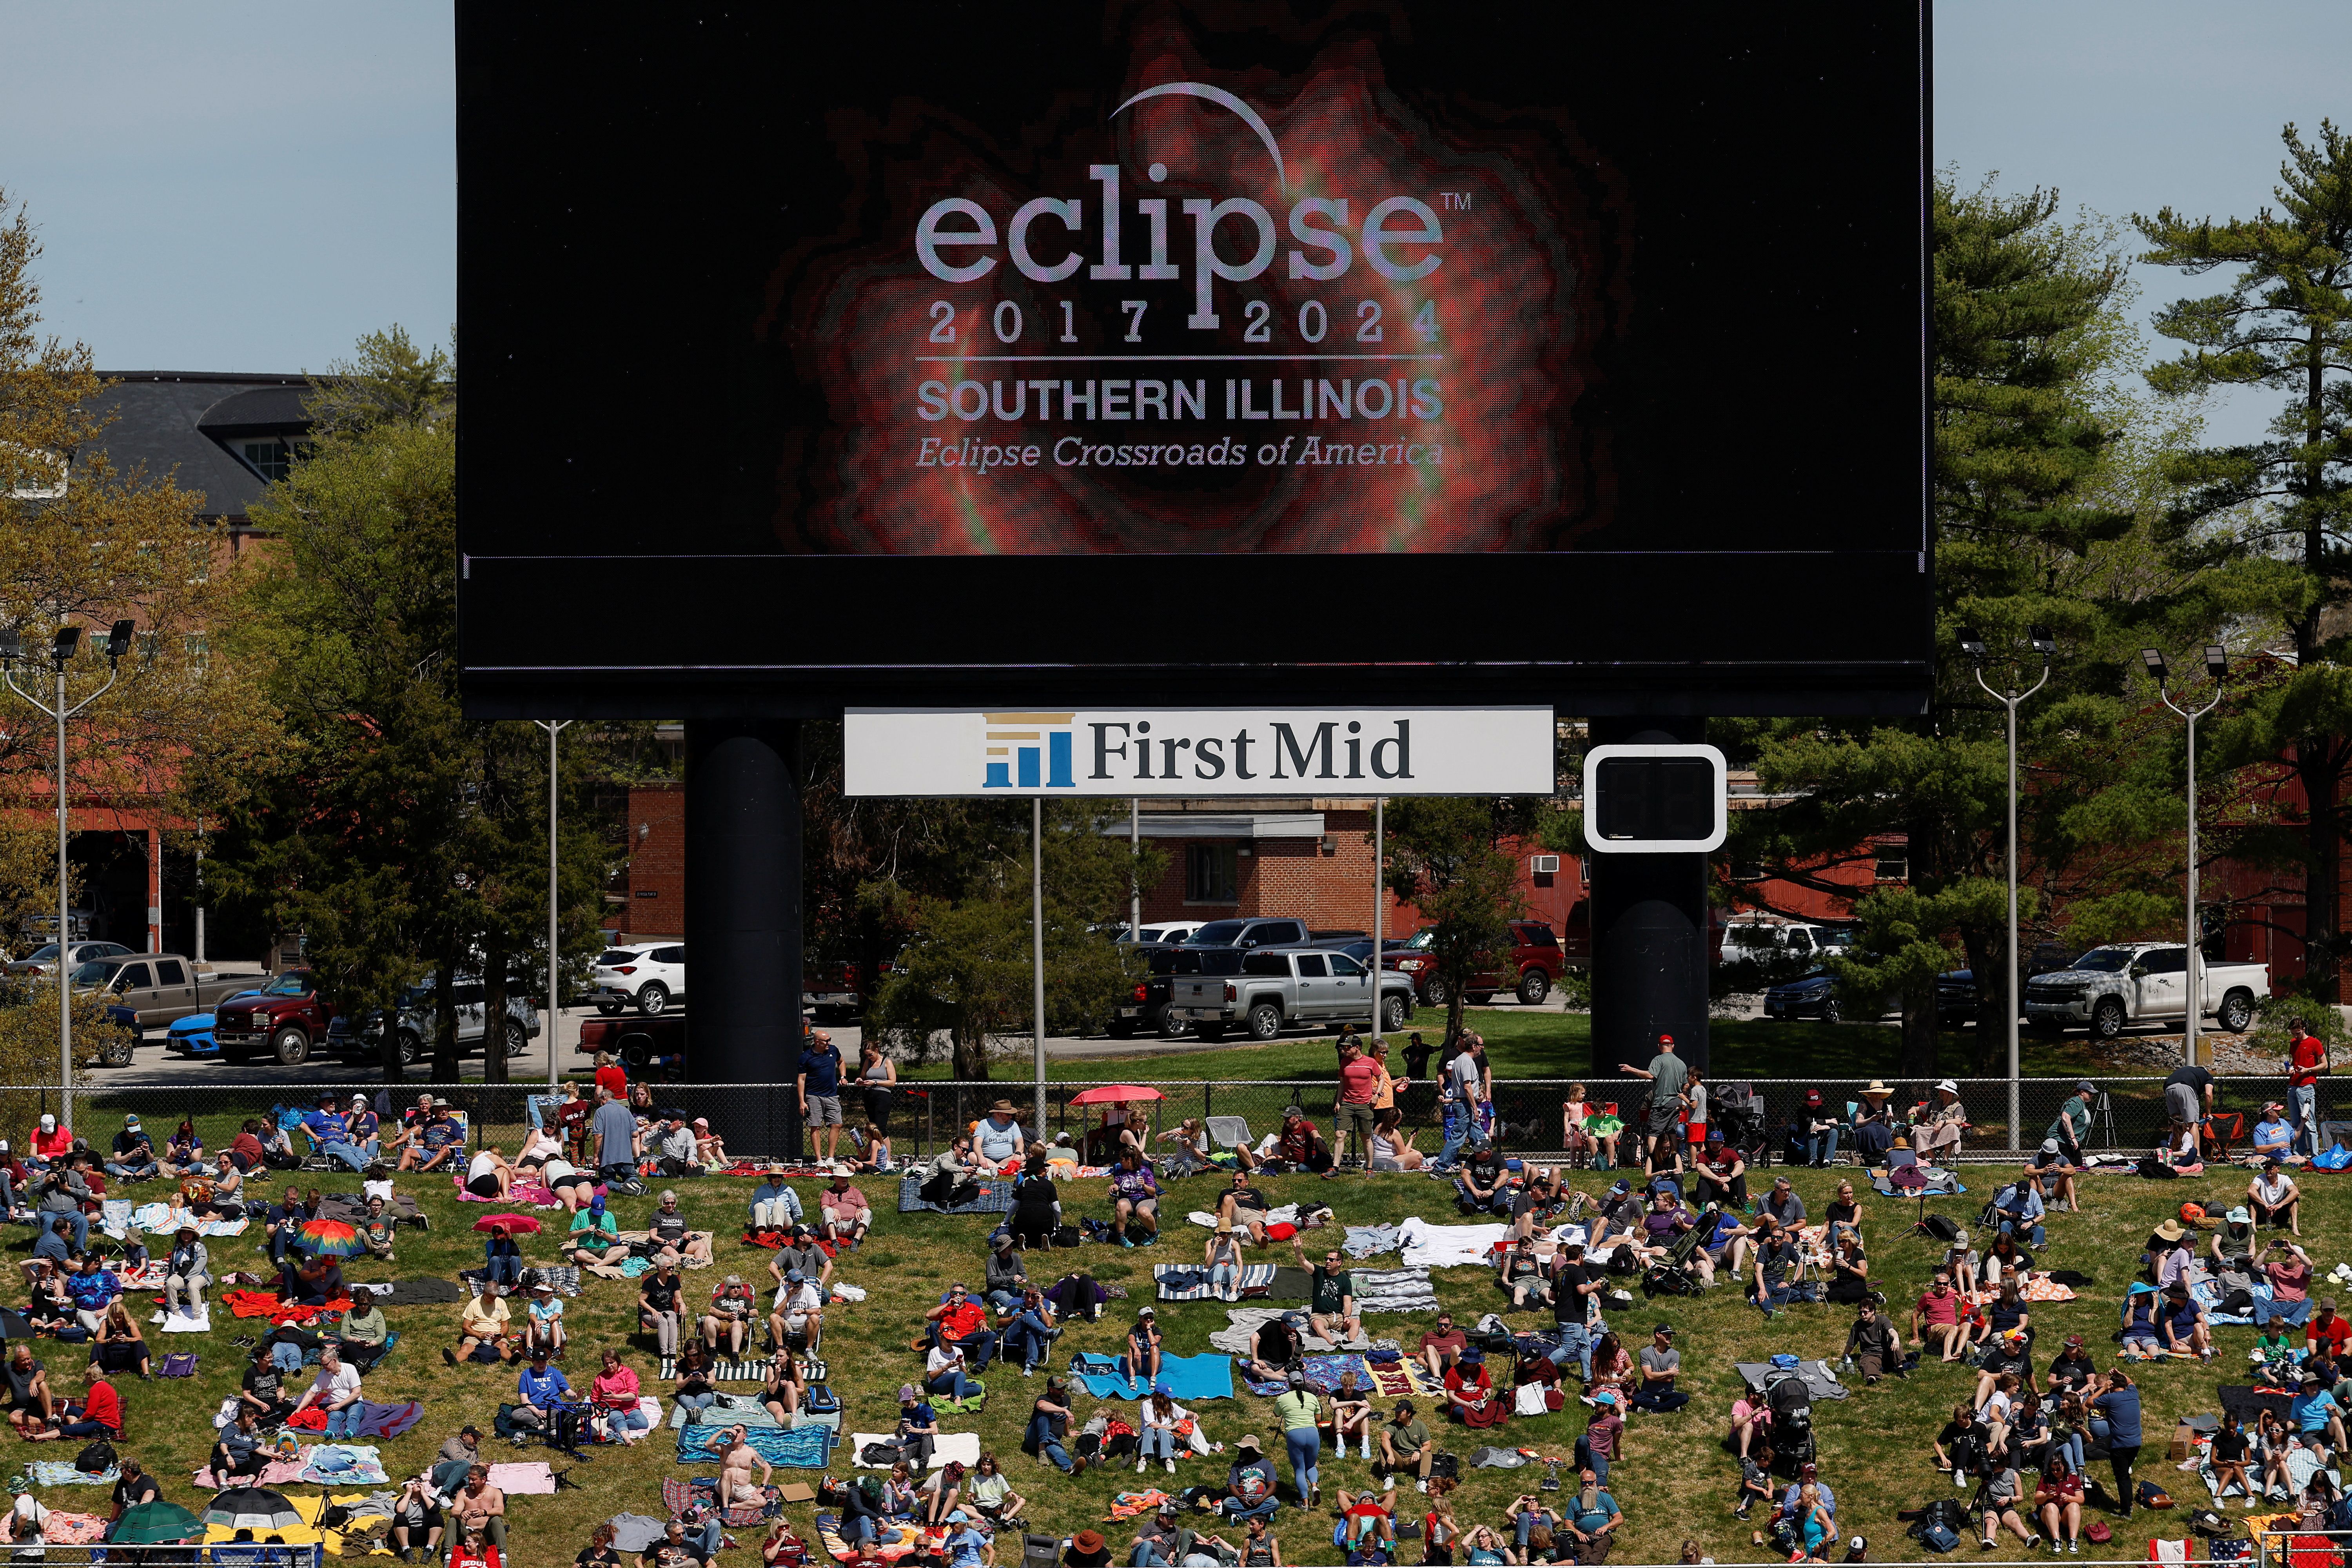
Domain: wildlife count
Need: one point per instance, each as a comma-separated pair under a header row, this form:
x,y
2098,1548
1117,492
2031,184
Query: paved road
x,y
153,1064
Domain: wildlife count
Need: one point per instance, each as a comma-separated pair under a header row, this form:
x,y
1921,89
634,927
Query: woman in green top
x,y
1301,1411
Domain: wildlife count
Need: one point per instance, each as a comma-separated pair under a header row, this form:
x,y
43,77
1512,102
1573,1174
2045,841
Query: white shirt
x,y
332,1385
485,1165
805,1298
940,1359
556,1169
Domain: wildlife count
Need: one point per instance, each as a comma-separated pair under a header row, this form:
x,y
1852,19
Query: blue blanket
x,y
1187,1377
802,1448
995,1197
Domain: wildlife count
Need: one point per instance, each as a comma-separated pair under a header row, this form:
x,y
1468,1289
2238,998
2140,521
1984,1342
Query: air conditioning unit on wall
x,y
1544,865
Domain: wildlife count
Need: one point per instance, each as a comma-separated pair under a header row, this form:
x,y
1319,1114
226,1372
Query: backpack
x,y
1941,1227
2149,1495
96,1459
1938,1536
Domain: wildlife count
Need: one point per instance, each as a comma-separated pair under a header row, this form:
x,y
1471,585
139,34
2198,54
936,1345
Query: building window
x,y
1893,865
270,460
1211,873
199,651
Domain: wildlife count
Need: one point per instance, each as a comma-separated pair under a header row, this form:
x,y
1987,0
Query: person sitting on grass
x,y
2273,1136
2274,1198
694,1389
1279,1346
594,1237
415,1530
1406,1446
1874,1344
487,1174
483,1325
2058,1499
30,1402
1331,1304
1470,1396
2186,1331
1143,1348
1592,1517
783,1388
1299,1144
241,1451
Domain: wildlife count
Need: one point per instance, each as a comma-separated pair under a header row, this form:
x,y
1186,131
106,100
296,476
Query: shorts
x,y
1244,1218
1662,1116
1356,1119
2180,1102
1142,1205
483,1187
824,1110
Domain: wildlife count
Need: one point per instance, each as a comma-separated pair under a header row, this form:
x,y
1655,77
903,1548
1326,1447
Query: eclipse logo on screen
x,y
1294,314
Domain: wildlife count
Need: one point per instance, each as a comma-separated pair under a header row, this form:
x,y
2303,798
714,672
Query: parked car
x,y
155,988
1146,1009
1810,995
416,1022
1536,962
1266,989
193,1035
648,978
286,1018
2127,982
1162,931
640,1043
836,991
1269,931
1956,991
43,960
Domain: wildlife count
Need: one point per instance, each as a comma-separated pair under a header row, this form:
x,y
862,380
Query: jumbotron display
x,y
1188,283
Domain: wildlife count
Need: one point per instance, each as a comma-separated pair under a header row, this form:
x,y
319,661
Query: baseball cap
x,y
1146,1312
905,1393
1664,1329
2086,1085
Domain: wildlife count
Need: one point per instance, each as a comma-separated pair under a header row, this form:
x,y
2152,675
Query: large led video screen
x,y
1226,313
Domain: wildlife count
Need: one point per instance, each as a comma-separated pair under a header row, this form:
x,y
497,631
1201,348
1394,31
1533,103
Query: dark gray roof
x,y
177,422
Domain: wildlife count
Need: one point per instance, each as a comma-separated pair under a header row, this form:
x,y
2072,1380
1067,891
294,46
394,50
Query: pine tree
x,y
2284,325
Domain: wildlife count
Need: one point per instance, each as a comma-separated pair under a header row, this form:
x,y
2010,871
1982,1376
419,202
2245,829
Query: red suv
x,y
1537,960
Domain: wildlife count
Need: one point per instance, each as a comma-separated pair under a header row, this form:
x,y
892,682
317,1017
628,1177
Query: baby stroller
x,y
1792,1419
1673,1274
1739,1112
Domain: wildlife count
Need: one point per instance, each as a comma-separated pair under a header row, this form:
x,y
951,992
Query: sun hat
x,y
2170,1230
1605,1398
1246,1443
1948,1087
1087,1541
1878,1087
1003,1108
2050,1145
959,1517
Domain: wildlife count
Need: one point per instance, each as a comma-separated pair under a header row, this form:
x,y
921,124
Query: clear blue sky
x,y
250,185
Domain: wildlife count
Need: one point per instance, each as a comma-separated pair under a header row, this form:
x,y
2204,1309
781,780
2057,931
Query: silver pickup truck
x,y
2127,982
157,988
1266,988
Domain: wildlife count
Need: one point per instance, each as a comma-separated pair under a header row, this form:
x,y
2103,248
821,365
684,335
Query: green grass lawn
x,y
1675,1482
1530,1044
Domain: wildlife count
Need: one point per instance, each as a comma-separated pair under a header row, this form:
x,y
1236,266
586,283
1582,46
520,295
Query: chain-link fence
x,y
765,1119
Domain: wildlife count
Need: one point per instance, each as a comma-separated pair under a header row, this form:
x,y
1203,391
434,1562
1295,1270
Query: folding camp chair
x,y
1228,1132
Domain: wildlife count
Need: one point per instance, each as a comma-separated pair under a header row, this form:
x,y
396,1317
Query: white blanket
x,y
960,1447
180,1323
1428,1246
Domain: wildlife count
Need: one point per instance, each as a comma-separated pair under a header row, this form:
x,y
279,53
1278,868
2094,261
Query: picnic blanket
x,y
423,1292
1188,1377
1406,1379
1239,1337
163,1219
2247,1402
342,1465
179,1323
995,1197
1371,1240
802,1448
723,1371
63,1528
526,1478
264,1304
1287,1215
59,1473
1323,1371
2039,1286
963,1447
1428,1246
1944,1185
1189,1281
375,1420
828,1536
726,1410
1820,1382
1393,1290
276,1473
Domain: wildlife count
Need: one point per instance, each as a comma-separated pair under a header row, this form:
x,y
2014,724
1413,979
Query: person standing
x,y
1351,1119
2119,1410
819,1083
1667,1074
2306,1061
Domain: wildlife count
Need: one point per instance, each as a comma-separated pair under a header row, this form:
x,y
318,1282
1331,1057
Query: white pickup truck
x,y
2128,981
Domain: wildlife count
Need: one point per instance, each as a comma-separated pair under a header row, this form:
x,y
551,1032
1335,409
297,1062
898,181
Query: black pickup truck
x,y
1144,1010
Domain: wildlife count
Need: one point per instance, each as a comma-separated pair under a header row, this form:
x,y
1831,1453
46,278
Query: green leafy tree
x,y
2282,504
1446,857
965,974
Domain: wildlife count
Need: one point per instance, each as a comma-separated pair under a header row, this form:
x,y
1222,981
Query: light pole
x,y
1380,826
553,727
61,652
1973,646
1037,952
2216,666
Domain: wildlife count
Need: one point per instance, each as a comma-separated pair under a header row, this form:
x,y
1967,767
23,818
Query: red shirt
x,y
1945,1309
247,1144
53,1145
2335,1333
614,1076
103,1406
960,1322
2308,1055
1359,1081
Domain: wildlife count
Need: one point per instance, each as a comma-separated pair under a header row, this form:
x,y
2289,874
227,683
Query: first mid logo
x,y
1030,751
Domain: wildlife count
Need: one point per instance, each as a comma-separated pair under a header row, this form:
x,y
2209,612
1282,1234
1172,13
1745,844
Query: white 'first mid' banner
x,y
1199,752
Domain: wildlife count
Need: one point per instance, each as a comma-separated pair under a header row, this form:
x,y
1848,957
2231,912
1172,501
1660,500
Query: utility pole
x,y
2046,645
1037,952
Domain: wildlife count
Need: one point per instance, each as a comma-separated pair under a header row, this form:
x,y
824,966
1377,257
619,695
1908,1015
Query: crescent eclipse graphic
x,y
1250,117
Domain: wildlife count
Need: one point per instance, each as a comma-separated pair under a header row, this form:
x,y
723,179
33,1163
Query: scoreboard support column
x,y
1650,947
743,922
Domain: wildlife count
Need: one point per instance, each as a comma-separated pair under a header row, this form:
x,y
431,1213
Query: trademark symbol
x,y
1455,201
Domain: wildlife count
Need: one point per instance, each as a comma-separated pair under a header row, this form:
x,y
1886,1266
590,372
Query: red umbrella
x,y
1114,1094
516,1223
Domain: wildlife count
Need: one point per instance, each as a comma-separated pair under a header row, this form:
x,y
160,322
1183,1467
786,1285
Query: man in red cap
x,y
1667,1074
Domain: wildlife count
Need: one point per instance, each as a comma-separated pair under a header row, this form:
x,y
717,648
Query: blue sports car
x,y
193,1035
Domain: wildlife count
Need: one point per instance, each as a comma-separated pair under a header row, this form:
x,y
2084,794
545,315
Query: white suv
x,y
651,977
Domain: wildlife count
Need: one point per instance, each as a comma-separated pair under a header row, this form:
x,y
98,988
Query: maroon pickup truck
x,y
639,1043
289,1020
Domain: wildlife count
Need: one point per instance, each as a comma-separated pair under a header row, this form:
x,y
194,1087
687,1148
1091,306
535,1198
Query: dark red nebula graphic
x,y
1461,409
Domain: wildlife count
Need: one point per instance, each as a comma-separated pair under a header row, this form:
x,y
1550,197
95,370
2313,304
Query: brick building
x,y
1311,859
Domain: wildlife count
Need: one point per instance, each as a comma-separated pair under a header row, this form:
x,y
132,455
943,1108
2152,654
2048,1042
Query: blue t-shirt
x,y
324,1125
1603,1505
963,1547
540,1390
823,1070
2310,1411
920,1414
2120,1409
2272,1132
